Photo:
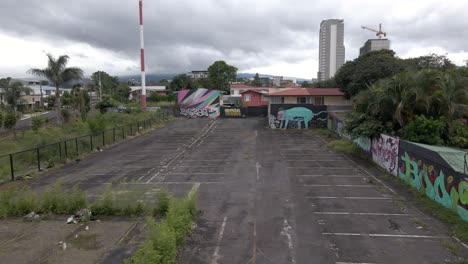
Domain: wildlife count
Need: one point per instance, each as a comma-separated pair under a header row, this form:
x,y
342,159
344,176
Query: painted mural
x,y
199,103
297,117
439,183
364,143
385,152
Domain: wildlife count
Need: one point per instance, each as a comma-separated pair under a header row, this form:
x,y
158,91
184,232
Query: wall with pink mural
x,y
385,152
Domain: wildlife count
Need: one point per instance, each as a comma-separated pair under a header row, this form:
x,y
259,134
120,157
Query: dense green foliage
x,y
165,237
424,130
354,76
10,120
221,74
421,106
59,200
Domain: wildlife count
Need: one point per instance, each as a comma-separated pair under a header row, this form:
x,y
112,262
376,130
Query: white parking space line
x,y
175,183
369,214
181,166
289,160
217,160
324,167
338,185
355,263
383,235
218,242
197,173
329,176
348,198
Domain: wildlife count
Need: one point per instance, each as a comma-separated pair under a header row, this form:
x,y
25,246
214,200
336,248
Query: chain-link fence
x,y
25,162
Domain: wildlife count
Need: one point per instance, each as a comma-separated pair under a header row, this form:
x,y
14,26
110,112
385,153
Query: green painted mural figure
x,y
297,115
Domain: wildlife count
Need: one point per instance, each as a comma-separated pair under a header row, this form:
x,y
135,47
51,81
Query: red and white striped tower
x,y
142,57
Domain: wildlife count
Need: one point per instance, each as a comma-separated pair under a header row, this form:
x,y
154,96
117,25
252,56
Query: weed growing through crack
x,y
164,238
454,248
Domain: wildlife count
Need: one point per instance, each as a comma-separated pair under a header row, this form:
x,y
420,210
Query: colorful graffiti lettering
x,y
235,112
385,152
294,117
451,192
195,112
199,103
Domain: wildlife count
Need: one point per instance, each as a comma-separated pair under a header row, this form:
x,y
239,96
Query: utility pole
x,y
142,59
100,86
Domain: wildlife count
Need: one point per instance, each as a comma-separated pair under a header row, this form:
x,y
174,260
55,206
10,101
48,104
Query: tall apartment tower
x,y
331,49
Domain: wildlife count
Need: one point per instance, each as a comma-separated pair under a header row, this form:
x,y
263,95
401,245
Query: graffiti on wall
x,y
296,117
233,112
199,103
385,152
446,188
364,143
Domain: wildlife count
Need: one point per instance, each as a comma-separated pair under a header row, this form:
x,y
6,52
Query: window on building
x,y
301,100
247,97
277,100
319,100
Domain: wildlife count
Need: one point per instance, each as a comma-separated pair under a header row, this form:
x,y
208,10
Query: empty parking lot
x,y
266,196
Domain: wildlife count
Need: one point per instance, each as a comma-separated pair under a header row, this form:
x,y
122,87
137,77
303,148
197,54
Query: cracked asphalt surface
x,y
266,196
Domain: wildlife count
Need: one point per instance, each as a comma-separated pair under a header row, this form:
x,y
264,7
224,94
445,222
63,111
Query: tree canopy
x,y
58,74
221,74
355,76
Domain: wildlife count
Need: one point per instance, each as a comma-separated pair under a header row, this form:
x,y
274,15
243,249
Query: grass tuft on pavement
x,y
167,236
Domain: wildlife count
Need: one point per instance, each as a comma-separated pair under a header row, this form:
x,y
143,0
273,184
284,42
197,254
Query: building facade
x,y
198,74
374,45
252,98
331,48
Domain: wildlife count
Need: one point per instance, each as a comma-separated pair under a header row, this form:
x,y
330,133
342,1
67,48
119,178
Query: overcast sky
x,y
265,36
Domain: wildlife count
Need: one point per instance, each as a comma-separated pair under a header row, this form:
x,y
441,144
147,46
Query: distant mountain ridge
x,y
169,76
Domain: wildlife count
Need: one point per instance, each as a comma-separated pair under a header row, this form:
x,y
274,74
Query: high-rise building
x,y
373,45
331,49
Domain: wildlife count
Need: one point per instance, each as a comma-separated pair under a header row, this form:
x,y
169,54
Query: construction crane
x,y
379,32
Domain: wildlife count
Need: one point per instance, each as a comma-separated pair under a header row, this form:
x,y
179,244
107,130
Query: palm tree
x,y
58,74
453,93
13,92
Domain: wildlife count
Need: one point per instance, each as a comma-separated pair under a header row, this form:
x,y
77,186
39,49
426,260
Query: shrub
x,y
65,115
165,237
458,135
10,120
96,124
162,206
423,130
36,122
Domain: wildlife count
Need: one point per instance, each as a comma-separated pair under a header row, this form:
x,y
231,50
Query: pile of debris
x,y
82,215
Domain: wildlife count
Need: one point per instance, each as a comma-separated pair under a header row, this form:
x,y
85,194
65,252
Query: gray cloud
x,y
185,35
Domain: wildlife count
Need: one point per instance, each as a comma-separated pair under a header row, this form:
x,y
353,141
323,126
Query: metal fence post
x,y
103,138
131,129
91,141
138,127
12,169
113,135
60,150
76,144
66,151
38,159
123,132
